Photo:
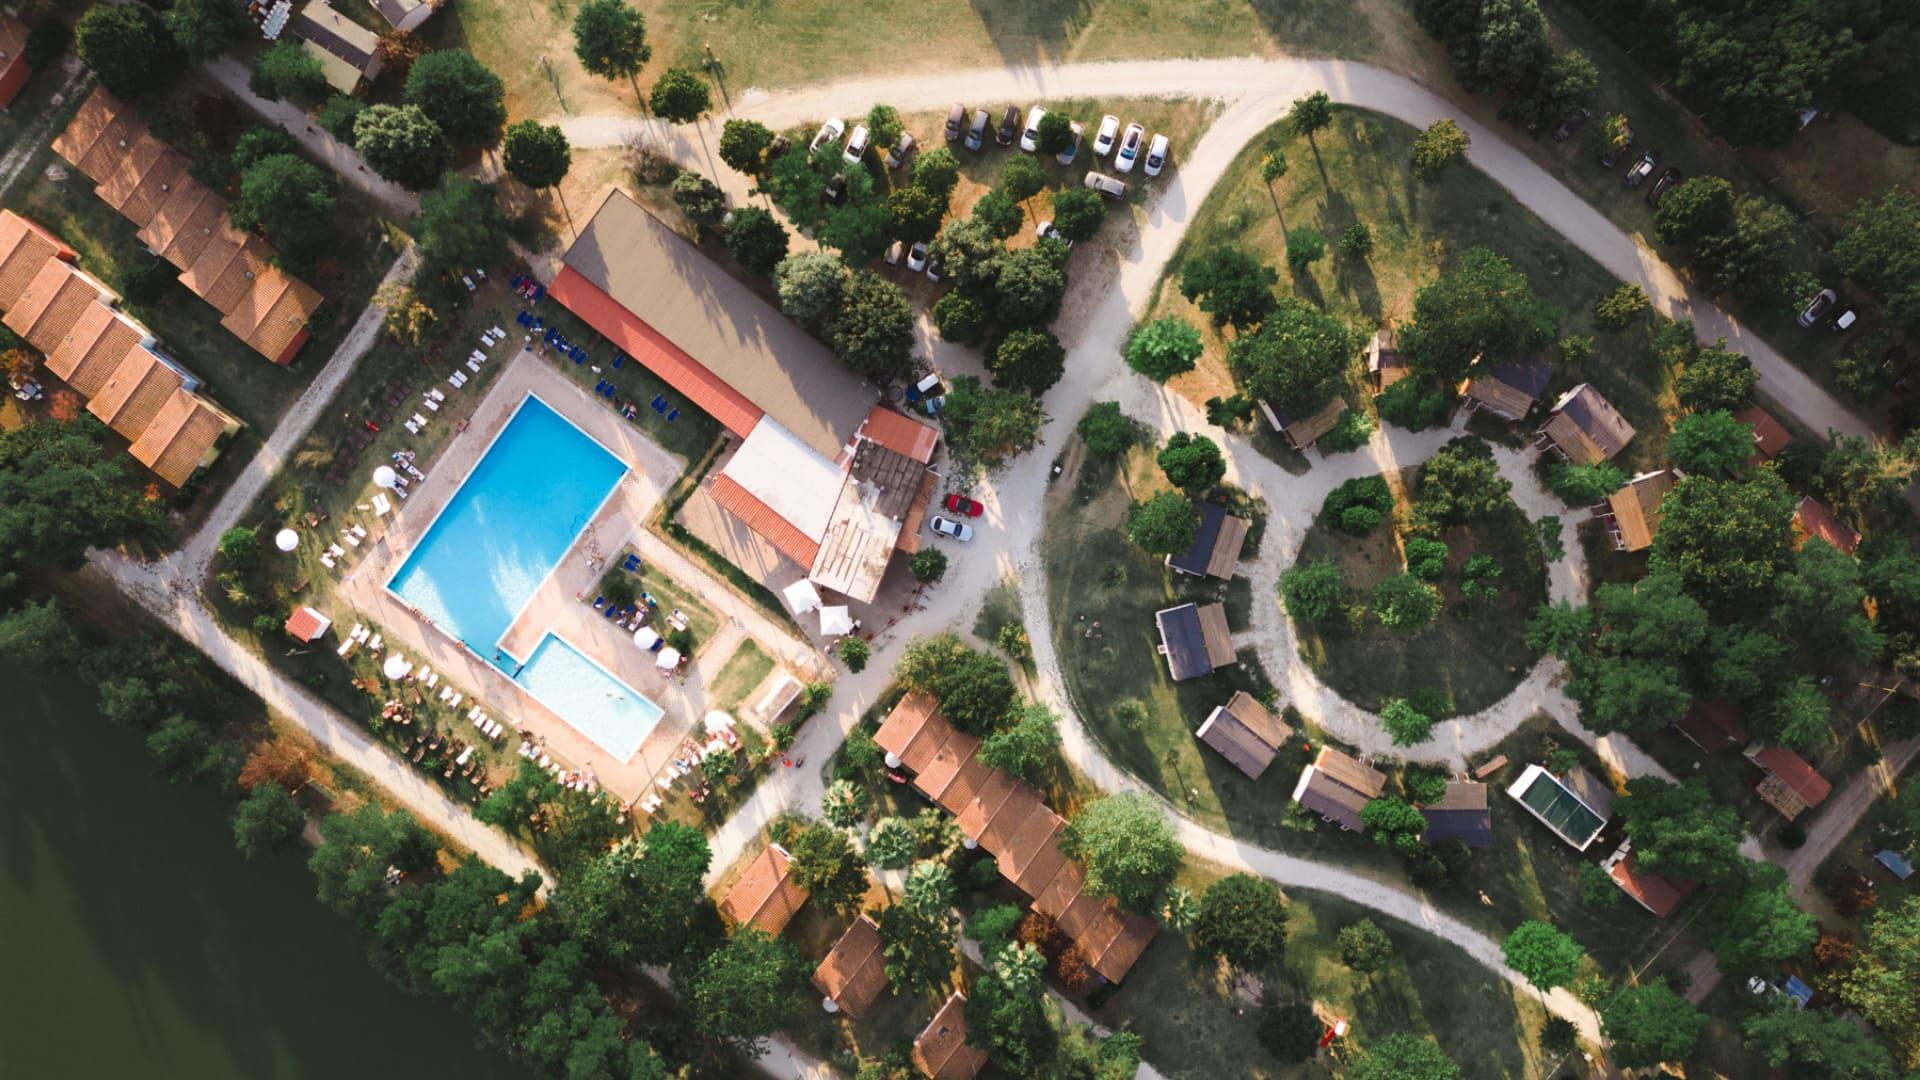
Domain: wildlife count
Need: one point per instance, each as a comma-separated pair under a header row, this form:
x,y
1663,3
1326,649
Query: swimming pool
x,y
508,526
611,713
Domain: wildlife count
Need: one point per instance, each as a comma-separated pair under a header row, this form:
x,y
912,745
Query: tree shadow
x,y
1029,32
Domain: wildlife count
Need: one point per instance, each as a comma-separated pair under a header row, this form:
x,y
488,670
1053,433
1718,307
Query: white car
x,y
933,268
959,530
1029,136
1129,151
917,256
895,251
829,135
1103,139
856,145
1045,230
1065,157
1156,155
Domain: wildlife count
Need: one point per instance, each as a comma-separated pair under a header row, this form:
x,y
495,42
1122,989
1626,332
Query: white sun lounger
x,y
432,405
473,366
436,394
352,540
412,428
456,380
432,678
465,756
418,419
326,559
376,644
382,506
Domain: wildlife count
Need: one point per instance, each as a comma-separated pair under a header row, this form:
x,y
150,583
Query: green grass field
x,y
743,671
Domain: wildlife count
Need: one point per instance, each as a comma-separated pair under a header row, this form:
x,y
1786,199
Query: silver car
x,y
959,530
1129,151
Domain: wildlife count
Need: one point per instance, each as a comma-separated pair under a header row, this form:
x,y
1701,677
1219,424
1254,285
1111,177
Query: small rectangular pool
x,y
611,713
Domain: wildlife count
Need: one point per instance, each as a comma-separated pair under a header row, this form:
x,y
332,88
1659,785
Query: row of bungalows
x,y
1337,787
186,223
113,362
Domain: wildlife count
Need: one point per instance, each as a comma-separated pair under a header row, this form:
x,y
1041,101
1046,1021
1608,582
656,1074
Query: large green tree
x,y
1027,359
1192,463
128,47
872,331
1481,310
206,28
1648,1023
1007,1011
1164,524
1713,443
918,948
679,95
537,154
975,689
810,284
1883,982
1714,377
757,240
1230,285
826,864
1403,1057
610,40
1726,541
402,144
743,145
1786,1035
62,493
1681,831
1127,846
1547,957
460,94
640,901
1753,925
1630,675
292,200
1242,920
462,226
1163,348
1298,358
1880,248
1027,747
745,990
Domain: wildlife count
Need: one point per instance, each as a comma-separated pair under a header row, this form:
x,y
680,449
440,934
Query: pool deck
x,y
556,605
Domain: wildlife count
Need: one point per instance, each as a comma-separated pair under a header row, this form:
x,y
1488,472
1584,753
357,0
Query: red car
x,y
960,504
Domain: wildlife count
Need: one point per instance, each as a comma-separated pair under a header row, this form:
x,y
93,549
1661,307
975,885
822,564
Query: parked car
x,y
856,145
933,268
1156,155
977,134
1844,321
917,256
1046,231
960,504
956,122
1641,169
895,251
1129,151
835,192
1565,129
1103,139
829,135
902,150
1030,135
1613,154
1817,307
1065,157
1009,126
1667,182
959,530
1111,187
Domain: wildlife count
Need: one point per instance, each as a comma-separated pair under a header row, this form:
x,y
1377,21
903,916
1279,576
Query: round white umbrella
x,y
385,477
718,722
645,637
286,539
669,659
836,620
396,666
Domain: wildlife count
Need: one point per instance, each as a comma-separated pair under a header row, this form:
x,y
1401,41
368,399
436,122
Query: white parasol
x,y
396,666
286,539
385,477
801,596
669,659
645,637
718,722
835,621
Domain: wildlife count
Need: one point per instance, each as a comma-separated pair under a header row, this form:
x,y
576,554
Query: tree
x,y
1242,920
1304,248
884,125
1619,307
1180,910
239,546
1482,310
1027,747
1229,285
1716,378
461,95
1408,725
1078,213
1164,524
1163,348
402,144
1403,603
1480,577
1022,178
969,254
1297,359
998,211
1545,956
1393,823
610,40
37,634
891,844
1725,540
1363,946
810,284
700,199
1752,923
872,332
929,889
1440,147
928,565
990,426
826,864
350,865
937,171
1426,557
1273,166
1403,1057
1720,51
1029,360
961,318
205,28
1648,1023
1127,847
756,240
287,71
975,690
1785,1034
1879,248
1414,404
746,989
1884,982
1192,463
129,48
1562,85
1697,209
1313,591
1860,479
462,226
1358,505
1680,831
855,652
397,50
1310,114
844,803
266,821
640,900
293,202
1356,241
918,947
679,95
1290,1032
914,214
1106,431
1712,442
1028,284
1751,258
537,154
1007,1012
338,114
60,495
743,145
1629,677
1822,605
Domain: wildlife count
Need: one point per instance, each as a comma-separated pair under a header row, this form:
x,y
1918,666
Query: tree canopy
x,y
1714,377
975,689
1681,831
1127,846
743,145
1163,348
1192,463
1482,309
402,144
206,28
1883,982
757,240
1026,747
1297,359
61,494
1441,146
293,201
679,95
460,94
1713,443
745,990
1027,359
1753,925
537,154
1545,956
610,40
462,226
1880,248
1648,1023
810,284
1242,920
1164,524
1403,1057
1230,285
128,47
1725,541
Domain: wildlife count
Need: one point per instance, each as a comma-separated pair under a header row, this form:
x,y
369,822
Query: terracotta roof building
x,y
1633,513
1385,364
183,222
1195,640
306,624
1813,520
1338,787
1712,725
1585,427
1461,814
1576,807
1510,391
1216,545
1788,783
1008,818
111,361
1769,438
13,61
855,970
1245,733
347,52
765,895
1659,895
941,1052
1301,432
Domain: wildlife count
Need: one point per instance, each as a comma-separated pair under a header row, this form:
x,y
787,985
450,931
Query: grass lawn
x,y
743,671
670,595
1475,652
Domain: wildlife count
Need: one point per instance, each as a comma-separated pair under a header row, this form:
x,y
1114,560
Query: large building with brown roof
x,y
182,221
1585,428
1009,819
1511,390
1195,640
1633,513
1338,787
1245,733
111,361
854,971
765,896
941,1052
1216,547
1788,783
833,478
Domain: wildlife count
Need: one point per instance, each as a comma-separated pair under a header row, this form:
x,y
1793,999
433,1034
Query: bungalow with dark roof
x,y
765,896
347,52
1769,438
1461,814
1632,514
1195,640
1216,545
1301,432
1510,391
941,1052
1584,427
1386,365
854,971
1338,787
1812,520
13,60
1712,725
407,14
1788,783
1575,806
1658,894
1245,733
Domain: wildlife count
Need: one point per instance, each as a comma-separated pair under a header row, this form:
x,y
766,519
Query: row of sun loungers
x,y
488,726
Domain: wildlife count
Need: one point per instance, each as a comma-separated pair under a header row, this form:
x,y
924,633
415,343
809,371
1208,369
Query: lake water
x,y
138,942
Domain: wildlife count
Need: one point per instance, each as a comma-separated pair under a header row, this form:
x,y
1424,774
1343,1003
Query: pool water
x,y
602,707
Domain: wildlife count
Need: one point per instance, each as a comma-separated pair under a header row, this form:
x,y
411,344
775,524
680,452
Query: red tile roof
x,y
1769,438
941,1051
1651,891
1712,725
855,969
305,624
1815,520
1792,770
763,519
901,433
765,895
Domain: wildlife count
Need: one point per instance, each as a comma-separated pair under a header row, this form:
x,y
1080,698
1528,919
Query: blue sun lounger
x,y
672,416
618,359
599,602
658,404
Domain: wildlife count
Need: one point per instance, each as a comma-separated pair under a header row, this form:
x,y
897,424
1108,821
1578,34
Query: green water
x,y
135,941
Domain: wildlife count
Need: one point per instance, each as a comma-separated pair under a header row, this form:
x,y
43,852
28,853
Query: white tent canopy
x,y
718,722
836,620
801,596
645,637
396,666
669,659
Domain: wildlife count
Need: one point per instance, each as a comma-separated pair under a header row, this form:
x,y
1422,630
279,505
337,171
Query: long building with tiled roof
x,y
108,359
184,222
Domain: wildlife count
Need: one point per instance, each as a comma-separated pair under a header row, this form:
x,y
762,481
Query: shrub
x,y
1618,308
1304,248
1407,725
1360,520
1290,1032
1583,485
1106,431
1403,603
1367,491
929,565
1426,559
961,318
1164,524
1356,241
1351,433
1414,404
1131,714
855,652
1313,591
